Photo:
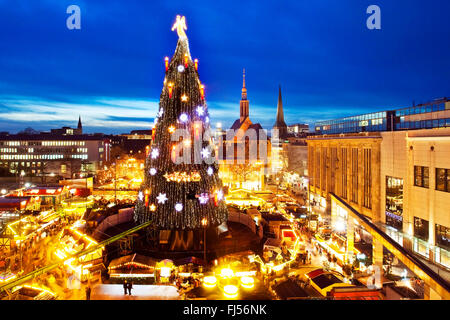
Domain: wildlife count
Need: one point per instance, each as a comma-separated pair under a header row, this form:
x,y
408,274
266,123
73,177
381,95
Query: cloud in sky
x,y
111,71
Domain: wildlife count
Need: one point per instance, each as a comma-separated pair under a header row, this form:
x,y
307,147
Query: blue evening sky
x,y
111,71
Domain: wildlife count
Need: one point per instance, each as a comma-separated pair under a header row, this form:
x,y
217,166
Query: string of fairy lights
x,y
180,194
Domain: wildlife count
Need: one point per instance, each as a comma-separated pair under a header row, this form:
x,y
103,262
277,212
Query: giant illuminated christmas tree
x,y
182,189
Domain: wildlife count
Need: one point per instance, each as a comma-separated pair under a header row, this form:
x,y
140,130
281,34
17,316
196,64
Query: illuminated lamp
x,y
230,291
166,60
170,88
202,91
247,282
209,281
227,273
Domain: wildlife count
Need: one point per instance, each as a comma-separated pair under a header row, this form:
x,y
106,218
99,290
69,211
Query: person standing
x,y
130,286
125,287
88,292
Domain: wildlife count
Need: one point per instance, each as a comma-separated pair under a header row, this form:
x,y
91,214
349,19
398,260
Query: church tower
x,y
279,123
244,113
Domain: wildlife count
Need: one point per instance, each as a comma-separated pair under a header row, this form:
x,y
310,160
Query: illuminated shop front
x,y
394,202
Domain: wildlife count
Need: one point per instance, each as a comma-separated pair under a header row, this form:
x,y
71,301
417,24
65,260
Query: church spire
x,y
80,127
279,123
244,105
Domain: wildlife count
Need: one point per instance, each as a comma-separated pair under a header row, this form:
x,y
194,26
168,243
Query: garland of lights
x,y
186,193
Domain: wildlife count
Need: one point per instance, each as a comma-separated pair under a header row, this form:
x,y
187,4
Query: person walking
x,y
130,286
88,292
125,287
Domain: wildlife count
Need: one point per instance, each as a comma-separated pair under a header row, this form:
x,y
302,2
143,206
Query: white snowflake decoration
x,y
160,113
200,111
141,196
219,195
205,153
152,171
203,198
162,198
210,171
180,68
155,153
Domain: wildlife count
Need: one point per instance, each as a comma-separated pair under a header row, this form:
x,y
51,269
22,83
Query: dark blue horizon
x,y
110,72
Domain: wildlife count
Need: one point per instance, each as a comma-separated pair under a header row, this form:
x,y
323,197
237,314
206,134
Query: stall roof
x,y
325,280
133,258
290,289
188,260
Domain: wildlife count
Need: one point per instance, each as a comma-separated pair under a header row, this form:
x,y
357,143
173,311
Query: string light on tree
x,y
171,129
180,68
210,171
152,207
179,207
184,98
152,171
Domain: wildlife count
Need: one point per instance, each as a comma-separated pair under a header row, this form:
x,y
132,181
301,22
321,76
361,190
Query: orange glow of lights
x,y
196,64
171,129
152,207
184,98
185,60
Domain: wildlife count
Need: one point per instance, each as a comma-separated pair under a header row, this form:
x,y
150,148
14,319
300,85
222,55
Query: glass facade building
x,y
435,114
